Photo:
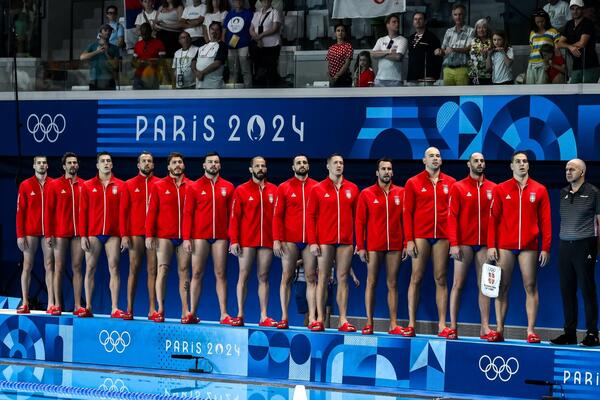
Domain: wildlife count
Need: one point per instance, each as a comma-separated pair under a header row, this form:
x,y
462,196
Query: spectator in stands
x,y
554,64
216,10
237,37
117,37
479,74
192,20
558,10
184,76
339,57
578,37
500,59
146,62
210,63
455,49
276,4
167,25
541,33
148,14
363,71
390,50
265,32
423,64
103,57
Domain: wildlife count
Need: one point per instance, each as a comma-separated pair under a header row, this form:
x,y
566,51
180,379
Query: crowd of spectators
x,y
211,44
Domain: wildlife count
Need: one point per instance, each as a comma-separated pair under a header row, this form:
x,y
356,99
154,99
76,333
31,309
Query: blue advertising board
x,y
552,127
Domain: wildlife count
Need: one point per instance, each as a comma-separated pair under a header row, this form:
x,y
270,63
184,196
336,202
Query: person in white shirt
x,y
390,51
265,30
192,21
184,76
148,14
210,63
559,13
216,10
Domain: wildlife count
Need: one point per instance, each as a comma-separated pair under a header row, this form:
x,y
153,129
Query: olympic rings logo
x,y
114,341
114,386
498,368
46,127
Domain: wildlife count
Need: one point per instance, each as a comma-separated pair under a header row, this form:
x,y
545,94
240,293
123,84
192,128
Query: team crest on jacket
x,y
348,194
489,194
532,197
223,191
397,200
271,198
114,189
445,188
137,190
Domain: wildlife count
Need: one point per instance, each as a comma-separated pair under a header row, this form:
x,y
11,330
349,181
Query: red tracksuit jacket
x,y
99,213
331,213
289,221
62,207
517,216
251,223
164,219
379,219
31,202
134,203
469,212
426,206
206,209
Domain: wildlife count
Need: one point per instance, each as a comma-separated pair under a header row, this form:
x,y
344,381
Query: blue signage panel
x,y
557,127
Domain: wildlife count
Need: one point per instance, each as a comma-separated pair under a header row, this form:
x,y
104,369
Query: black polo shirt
x,y
578,212
588,54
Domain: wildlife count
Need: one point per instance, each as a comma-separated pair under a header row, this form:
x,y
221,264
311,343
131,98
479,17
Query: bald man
x,y
468,217
425,229
579,217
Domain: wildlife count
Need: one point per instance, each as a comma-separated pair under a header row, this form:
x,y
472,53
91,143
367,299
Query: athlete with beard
x,y
289,237
250,232
164,232
378,228
135,206
205,221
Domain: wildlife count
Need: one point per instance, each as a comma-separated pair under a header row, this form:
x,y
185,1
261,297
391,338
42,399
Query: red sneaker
x,y
79,311
367,330
237,321
152,316
117,314
159,317
316,326
347,327
396,331
448,333
226,321
494,336
84,314
127,316
268,322
24,309
56,311
533,338
409,331
283,324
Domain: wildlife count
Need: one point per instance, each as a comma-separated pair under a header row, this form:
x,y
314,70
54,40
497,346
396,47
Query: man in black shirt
x,y
578,37
423,65
579,216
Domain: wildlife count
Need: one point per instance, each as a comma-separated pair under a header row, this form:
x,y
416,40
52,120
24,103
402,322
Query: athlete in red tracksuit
x,y
205,223
164,232
520,213
101,226
290,240
62,230
379,237
134,202
31,216
250,232
330,230
468,217
425,223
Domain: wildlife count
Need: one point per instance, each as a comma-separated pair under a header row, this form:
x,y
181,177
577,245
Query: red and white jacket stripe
x,y
289,221
165,209
135,202
206,209
99,213
31,202
62,207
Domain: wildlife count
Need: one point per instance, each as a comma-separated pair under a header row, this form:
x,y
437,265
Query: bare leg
x,y
414,287
461,268
112,248
77,255
528,264
28,261
136,254
60,255
183,271
219,256
439,255
372,275
343,262
49,271
506,262
264,256
164,252
199,257
392,263
152,268
324,261
288,264
91,262
484,301
310,274
245,260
